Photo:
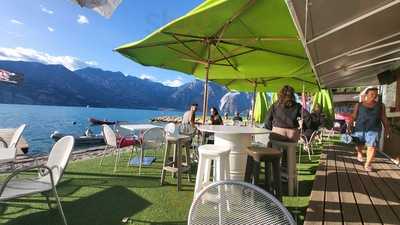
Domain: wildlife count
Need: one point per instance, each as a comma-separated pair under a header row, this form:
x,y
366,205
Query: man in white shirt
x,y
190,116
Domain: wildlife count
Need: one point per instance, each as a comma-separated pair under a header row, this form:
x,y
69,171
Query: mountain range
x,y
45,84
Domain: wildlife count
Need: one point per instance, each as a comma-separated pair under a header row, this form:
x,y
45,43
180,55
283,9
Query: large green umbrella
x,y
261,85
226,39
324,99
262,103
273,84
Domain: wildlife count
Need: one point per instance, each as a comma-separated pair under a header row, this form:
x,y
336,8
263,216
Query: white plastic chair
x,y
9,153
49,176
111,143
236,202
153,138
307,144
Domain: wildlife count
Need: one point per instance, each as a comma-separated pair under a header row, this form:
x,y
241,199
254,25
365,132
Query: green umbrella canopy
x,y
273,84
238,39
324,99
261,106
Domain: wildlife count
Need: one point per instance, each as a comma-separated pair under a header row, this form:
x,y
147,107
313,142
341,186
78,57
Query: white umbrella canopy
x,y
103,7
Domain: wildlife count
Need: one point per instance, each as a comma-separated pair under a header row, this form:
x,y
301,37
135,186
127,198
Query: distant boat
x,y
87,106
95,121
84,140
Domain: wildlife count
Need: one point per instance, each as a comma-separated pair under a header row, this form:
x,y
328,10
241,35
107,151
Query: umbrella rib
x,y
226,58
184,35
238,54
261,38
186,46
166,43
222,30
265,50
184,53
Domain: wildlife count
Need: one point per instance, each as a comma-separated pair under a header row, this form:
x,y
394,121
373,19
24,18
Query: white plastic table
x,y
238,138
138,127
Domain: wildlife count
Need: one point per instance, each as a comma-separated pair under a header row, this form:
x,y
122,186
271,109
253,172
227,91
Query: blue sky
x,y
58,31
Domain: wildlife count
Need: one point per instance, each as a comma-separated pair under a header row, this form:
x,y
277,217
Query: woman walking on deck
x,y
369,115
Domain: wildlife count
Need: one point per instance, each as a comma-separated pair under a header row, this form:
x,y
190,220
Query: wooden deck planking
x,y
350,212
352,195
332,211
378,200
315,213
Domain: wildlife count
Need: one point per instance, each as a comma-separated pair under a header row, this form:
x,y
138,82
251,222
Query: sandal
x,y
368,169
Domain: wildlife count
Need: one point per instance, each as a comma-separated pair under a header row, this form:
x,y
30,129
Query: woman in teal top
x,y
369,115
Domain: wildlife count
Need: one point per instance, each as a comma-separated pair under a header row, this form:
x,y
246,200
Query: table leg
x,y
291,164
237,157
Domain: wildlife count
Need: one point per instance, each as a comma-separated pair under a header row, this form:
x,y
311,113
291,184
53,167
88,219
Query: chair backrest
x,y
171,129
59,157
153,138
314,136
236,202
16,136
109,136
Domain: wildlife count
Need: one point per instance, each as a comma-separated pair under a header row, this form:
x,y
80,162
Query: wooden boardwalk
x,y
343,193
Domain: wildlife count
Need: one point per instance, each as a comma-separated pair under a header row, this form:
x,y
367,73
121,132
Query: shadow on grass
x,y
107,207
298,214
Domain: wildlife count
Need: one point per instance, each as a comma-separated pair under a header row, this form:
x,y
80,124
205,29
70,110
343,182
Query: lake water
x,y
42,121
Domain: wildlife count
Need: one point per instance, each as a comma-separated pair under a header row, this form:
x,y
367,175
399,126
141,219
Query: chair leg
x,y
47,199
256,171
60,209
141,159
104,154
249,169
179,165
267,174
277,179
200,175
188,161
130,155
165,162
117,156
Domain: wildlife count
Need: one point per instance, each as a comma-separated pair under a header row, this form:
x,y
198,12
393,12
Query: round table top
x,y
223,129
134,127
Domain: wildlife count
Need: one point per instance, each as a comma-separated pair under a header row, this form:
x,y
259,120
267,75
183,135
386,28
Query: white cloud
x,y
16,22
148,77
82,19
173,83
50,29
27,54
45,10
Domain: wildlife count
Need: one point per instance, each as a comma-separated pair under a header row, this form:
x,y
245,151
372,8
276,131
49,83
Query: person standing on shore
x,y
189,117
369,115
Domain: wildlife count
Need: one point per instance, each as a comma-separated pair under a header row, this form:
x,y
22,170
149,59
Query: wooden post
x,y
254,102
205,94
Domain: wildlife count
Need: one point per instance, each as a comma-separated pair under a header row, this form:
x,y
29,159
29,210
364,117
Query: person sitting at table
x,y
282,117
318,120
189,116
237,117
215,118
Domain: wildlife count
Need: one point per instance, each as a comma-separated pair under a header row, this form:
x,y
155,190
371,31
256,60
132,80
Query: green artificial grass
x,y
93,195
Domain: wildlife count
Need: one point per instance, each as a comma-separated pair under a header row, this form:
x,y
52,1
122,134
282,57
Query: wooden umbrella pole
x,y
254,103
205,95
